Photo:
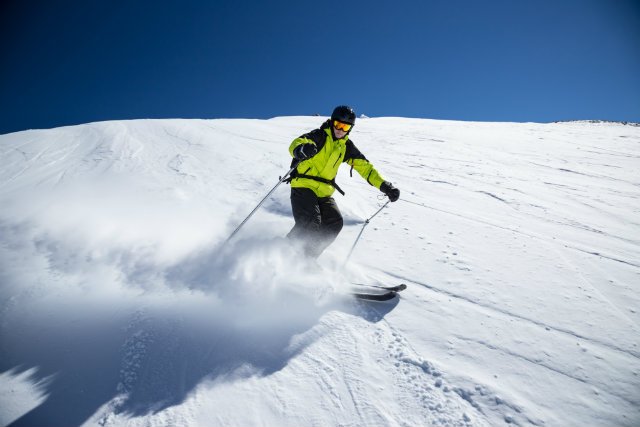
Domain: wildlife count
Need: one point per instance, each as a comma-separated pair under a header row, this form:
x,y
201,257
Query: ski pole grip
x,y
294,165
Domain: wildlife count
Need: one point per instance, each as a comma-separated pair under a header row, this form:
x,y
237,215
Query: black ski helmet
x,y
344,114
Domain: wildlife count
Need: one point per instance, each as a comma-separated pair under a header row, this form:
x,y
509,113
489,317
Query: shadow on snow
x,y
142,352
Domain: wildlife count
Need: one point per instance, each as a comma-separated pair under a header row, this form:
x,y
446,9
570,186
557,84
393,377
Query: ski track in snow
x,y
519,244
511,315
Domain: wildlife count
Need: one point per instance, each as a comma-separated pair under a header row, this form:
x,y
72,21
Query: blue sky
x,y
70,62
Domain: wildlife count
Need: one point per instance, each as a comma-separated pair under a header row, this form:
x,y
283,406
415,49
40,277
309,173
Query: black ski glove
x,y
392,192
304,151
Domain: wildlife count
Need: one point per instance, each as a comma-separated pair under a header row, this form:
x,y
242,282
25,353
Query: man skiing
x,y
320,152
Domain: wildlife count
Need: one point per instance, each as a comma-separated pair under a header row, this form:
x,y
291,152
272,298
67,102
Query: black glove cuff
x,y
386,186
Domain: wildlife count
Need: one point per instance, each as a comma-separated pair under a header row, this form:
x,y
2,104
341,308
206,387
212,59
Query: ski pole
x,y
282,179
362,230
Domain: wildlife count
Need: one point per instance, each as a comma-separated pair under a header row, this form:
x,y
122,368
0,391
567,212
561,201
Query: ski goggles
x,y
341,126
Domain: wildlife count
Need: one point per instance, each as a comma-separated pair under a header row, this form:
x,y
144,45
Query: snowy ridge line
x,y
543,365
597,121
528,234
594,341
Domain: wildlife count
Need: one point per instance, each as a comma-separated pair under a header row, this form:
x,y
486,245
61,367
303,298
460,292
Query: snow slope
x,y
520,244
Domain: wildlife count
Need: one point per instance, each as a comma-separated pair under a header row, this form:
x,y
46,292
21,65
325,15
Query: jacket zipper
x,y
339,155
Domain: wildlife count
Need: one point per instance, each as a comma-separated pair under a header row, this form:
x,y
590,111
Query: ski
x,y
386,296
398,288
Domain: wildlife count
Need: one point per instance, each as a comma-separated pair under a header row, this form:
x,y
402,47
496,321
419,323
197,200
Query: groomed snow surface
x,y
519,243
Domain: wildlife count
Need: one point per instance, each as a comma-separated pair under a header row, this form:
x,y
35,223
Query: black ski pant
x,y
318,221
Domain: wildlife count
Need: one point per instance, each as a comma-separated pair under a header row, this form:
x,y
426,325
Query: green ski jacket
x,y
324,165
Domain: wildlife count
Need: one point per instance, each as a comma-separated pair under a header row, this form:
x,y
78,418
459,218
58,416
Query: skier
x,y
320,152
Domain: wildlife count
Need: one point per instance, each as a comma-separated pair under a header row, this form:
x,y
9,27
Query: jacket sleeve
x,y
354,158
316,137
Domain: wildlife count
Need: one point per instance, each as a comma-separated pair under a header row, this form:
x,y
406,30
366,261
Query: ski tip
x,y
376,297
396,288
